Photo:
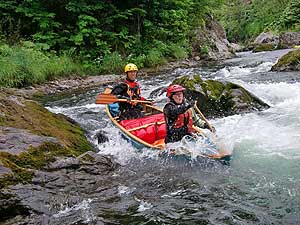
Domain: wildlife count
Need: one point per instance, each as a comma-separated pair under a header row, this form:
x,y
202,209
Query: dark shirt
x,y
171,112
128,110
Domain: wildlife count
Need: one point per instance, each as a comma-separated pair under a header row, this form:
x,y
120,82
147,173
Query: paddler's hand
x,y
213,129
151,101
189,104
124,97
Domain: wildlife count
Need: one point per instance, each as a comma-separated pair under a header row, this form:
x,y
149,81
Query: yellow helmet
x,y
130,67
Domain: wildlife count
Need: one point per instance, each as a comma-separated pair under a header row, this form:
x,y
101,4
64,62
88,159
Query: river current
x,y
260,186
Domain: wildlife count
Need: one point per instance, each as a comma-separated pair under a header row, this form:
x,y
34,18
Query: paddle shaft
x,y
109,98
203,117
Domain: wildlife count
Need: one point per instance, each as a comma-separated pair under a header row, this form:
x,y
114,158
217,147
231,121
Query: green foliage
x,y
25,65
245,21
112,63
177,51
154,58
98,32
98,28
289,19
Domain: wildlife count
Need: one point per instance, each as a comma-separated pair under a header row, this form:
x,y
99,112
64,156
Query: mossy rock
x,y
263,47
288,62
18,112
217,99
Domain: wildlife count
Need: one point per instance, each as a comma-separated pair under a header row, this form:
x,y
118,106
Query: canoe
x,y
150,132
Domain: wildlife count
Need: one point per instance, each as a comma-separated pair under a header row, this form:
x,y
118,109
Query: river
x,y
260,186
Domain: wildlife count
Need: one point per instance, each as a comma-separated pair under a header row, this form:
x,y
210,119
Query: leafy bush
x,y
112,63
176,51
154,58
246,21
22,66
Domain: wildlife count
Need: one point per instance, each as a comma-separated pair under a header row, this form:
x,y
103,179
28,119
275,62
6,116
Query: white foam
x,y
83,209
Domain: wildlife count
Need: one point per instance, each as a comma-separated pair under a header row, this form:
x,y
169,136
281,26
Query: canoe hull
x,y
140,144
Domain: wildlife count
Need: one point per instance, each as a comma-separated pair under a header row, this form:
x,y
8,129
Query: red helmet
x,y
173,89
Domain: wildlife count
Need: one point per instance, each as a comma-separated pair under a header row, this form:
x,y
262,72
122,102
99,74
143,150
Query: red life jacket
x,y
134,90
184,119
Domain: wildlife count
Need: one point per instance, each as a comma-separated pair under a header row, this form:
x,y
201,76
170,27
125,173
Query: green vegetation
x,y
288,62
100,35
25,65
42,40
27,114
246,21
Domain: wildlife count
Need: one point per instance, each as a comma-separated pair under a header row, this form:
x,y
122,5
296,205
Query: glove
x,y
190,104
150,100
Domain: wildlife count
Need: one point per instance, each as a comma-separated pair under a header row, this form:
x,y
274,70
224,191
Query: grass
x,y
22,66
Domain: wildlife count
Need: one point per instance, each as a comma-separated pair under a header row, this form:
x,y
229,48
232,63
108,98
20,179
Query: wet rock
x,y
158,92
289,39
96,164
288,62
263,47
4,170
16,141
101,137
11,206
217,99
266,41
64,163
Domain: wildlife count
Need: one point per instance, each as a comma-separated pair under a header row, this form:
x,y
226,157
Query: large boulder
x,y
217,99
289,39
267,38
210,42
31,137
266,41
43,157
288,62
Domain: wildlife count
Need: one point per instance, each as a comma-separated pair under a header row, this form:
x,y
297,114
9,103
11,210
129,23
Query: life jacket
x,y
133,90
184,119
179,127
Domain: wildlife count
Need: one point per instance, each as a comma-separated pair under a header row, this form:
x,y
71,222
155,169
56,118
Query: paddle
x,y
110,98
213,137
203,117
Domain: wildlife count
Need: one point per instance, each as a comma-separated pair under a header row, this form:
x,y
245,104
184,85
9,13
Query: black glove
x,y
190,104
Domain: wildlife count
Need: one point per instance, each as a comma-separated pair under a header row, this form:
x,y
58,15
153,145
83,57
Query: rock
x,y
289,39
31,137
4,170
263,47
94,163
158,92
217,99
101,137
16,141
266,38
64,163
266,41
288,62
236,47
10,206
211,42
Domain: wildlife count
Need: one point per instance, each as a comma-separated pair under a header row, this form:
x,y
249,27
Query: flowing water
x,y
260,186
